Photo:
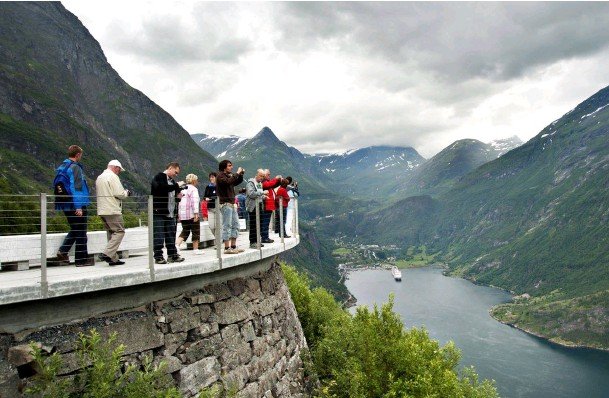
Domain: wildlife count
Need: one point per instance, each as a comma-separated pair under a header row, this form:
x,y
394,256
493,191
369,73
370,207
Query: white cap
x,y
116,163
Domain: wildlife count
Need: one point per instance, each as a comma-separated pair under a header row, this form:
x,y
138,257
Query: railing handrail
x,y
48,240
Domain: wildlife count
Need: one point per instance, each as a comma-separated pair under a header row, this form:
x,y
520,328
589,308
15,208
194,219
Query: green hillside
x,y
533,221
442,171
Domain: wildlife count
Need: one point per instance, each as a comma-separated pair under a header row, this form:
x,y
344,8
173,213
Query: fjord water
x,y
454,309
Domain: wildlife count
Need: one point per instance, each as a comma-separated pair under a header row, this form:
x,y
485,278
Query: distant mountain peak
x,y
504,145
266,134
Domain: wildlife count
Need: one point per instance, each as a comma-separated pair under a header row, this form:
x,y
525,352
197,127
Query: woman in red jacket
x,y
282,192
269,205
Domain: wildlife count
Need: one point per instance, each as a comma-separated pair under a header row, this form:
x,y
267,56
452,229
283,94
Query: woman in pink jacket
x,y
189,213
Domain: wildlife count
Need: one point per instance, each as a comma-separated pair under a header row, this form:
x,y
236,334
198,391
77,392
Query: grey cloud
x,y
454,41
353,127
171,40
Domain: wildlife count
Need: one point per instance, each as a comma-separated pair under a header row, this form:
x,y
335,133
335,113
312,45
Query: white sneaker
x,y
183,246
198,251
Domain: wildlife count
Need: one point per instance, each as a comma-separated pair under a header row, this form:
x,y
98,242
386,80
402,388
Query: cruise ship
x,y
397,274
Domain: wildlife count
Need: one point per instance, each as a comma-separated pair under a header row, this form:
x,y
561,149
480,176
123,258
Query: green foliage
x,y
102,374
570,321
211,392
313,255
46,383
341,251
416,257
218,391
371,354
316,307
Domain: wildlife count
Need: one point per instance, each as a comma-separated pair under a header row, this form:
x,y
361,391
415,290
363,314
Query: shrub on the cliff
x,y
102,374
371,354
316,308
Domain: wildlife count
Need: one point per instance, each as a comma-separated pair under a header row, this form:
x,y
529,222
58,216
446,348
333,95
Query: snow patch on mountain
x,y
598,110
504,145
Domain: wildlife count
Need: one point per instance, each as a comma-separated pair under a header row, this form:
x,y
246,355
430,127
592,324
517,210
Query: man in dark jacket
x,y
165,193
225,186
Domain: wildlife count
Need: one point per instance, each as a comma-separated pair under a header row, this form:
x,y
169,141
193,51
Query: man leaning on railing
x,y
110,194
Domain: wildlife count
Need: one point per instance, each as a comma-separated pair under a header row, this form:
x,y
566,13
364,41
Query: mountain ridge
x,y
534,221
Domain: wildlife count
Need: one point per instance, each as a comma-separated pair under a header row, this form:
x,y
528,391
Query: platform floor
x,y
18,286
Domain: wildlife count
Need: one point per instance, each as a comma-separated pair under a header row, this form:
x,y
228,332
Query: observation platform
x,y
20,286
27,273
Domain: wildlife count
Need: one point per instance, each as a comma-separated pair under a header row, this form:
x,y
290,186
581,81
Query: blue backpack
x,y
61,188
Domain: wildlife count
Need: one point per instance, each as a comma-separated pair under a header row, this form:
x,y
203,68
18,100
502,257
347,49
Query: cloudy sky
x,y
327,77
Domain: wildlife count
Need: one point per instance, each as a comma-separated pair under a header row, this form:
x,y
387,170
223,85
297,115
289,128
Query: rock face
x,y
57,89
243,333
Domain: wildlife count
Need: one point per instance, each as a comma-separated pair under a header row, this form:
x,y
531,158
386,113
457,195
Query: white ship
x,y
397,274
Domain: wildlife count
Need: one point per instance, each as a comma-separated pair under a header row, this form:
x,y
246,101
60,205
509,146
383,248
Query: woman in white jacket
x,y
289,218
189,213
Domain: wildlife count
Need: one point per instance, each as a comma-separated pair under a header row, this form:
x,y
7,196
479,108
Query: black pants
x,y
253,227
265,221
164,229
77,235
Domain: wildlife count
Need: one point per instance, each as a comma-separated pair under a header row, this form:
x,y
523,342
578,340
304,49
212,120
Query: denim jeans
x,y
230,221
164,229
77,235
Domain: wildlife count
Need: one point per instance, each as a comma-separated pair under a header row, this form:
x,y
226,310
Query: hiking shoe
x,y
267,241
160,260
237,250
103,257
175,259
230,251
86,263
63,257
117,262
255,246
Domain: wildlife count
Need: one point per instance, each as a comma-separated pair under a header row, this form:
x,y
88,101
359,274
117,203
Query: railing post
x,y
218,237
296,217
281,220
258,235
44,283
151,238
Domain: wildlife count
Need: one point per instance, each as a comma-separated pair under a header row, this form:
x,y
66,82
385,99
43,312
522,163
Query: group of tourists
x,y
172,201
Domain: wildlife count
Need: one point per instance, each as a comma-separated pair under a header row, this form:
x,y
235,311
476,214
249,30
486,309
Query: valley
x,y
531,218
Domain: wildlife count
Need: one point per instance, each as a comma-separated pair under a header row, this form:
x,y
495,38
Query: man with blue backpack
x,y
72,197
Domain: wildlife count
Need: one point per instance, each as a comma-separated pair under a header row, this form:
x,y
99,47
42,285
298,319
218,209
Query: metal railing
x,y
32,232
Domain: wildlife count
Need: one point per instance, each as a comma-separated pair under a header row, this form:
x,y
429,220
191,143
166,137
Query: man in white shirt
x,y
110,194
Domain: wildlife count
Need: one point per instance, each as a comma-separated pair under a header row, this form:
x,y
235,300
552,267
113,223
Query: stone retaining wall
x,y
243,333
